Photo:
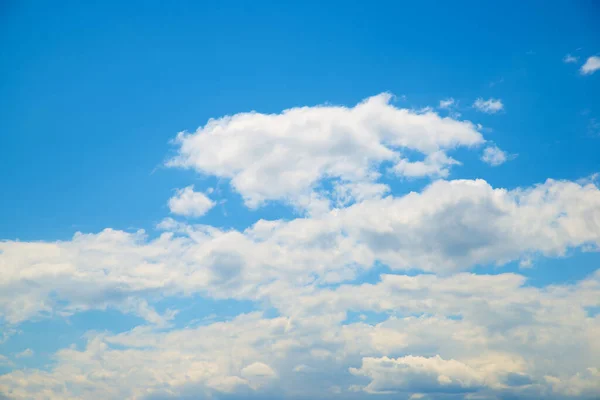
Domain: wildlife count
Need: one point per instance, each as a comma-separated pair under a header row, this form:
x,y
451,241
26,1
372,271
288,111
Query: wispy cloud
x,y
570,59
24,354
447,103
489,106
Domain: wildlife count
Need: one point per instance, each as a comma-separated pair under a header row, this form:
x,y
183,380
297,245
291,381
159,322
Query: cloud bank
x,y
366,293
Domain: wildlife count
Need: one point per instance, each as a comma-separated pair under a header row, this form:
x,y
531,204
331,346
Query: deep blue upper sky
x,y
91,93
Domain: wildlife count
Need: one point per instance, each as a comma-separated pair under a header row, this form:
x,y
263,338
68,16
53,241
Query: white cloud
x,y
257,369
440,331
584,383
490,106
285,156
447,103
450,226
188,203
415,373
435,164
591,65
25,353
494,156
520,340
570,59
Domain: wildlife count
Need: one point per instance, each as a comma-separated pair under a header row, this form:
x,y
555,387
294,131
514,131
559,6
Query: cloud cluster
x,y
286,156
424,326
475,334
450,226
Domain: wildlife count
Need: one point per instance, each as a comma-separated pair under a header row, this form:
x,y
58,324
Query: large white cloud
x,y
458,333
285,156
441,330
518,340
450,226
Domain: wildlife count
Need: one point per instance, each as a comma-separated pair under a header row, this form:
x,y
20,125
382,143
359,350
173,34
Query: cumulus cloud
x,y
435,164
428,374
494,156
189,203
490,106
450,226
285,156
591,65
435,331
509,337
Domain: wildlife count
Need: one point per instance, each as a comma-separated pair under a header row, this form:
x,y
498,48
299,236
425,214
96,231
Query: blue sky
x,y
385,100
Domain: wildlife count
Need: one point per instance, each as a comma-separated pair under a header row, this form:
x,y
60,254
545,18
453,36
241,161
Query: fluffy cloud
x,y
436,331
285,156
188,203
490,106
435,164
450,226
424,374
591,65
494,156
509,338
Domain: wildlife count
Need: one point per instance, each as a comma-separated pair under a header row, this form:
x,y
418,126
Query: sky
x,y
299,200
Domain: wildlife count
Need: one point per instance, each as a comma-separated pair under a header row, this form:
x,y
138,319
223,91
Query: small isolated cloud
x,y
591,65
188,203
495,156
24,354
446,103
489,106
570,59
5,361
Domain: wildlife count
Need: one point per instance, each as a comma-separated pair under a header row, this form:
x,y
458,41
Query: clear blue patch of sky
x,y
366,317
575,266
